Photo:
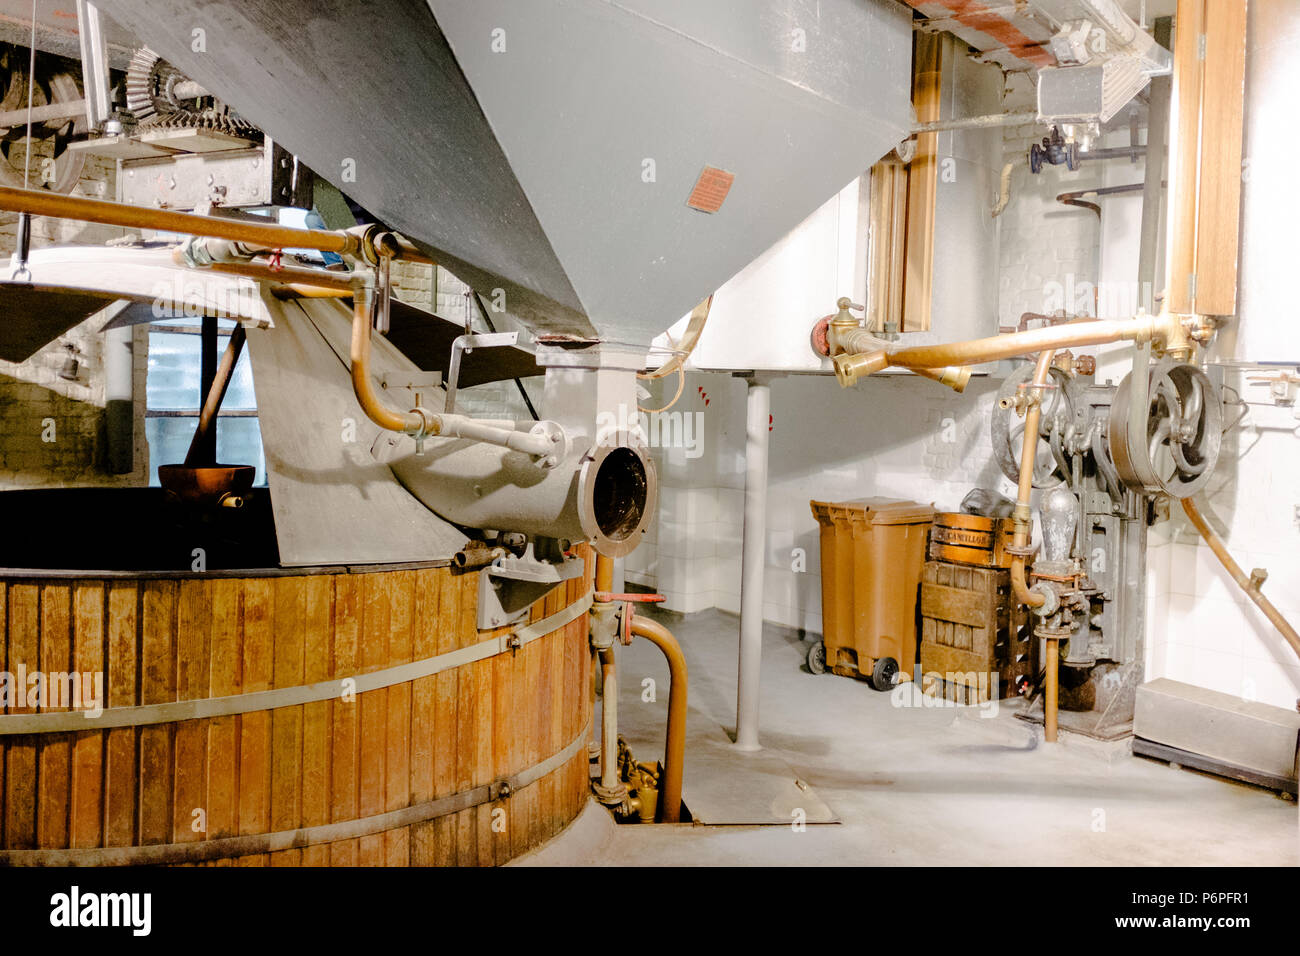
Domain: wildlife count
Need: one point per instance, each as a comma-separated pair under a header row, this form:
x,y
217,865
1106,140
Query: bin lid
x,y
876,510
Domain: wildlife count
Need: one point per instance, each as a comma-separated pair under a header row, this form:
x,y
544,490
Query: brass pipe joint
x,y
855,352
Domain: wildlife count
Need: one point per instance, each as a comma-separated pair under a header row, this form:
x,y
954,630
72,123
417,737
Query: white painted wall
x,y
891,436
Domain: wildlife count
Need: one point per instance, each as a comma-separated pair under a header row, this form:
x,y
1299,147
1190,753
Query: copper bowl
x,y
214,485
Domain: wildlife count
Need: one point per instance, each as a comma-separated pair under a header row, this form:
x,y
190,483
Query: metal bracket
x,y
468,343
510,585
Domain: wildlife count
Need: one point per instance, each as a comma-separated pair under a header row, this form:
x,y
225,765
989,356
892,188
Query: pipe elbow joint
x,y
422,423
1051,603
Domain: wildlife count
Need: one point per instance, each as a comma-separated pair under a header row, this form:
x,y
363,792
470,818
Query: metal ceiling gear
x,y
161,97
1165,438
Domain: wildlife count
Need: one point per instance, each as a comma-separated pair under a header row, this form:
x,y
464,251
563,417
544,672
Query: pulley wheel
x,y
1008,428
1174,444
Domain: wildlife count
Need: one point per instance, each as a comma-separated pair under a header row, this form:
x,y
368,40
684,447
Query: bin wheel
x,y
884,674
817,658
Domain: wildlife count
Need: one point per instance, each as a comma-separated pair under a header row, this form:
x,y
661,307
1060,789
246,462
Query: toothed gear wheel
x,y
150,95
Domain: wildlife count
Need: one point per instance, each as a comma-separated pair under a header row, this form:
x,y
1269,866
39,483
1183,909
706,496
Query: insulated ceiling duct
x,y
606,163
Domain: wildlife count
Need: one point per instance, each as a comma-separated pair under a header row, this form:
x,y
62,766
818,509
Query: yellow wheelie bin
x,y
872,555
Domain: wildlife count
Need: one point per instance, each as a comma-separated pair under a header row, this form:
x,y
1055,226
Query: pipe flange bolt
x,y
560,443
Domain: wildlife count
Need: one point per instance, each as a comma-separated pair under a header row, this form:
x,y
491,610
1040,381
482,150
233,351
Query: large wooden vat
x,y
472,754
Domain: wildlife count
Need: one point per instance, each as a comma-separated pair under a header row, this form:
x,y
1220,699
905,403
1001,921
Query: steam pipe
x,y
417,422
366,242
845,336
307,282
1028,453
1142,329
857,339
262,235
609,782
1244,582
670,798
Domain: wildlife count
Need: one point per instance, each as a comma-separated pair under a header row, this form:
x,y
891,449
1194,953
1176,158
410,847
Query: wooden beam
x,y
1222,106
1184,154
922,184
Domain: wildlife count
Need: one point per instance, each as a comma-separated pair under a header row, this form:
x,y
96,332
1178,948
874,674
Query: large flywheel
x,y
1166,432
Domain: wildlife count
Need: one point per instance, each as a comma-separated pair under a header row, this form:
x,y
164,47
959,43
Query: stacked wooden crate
x,y
974,643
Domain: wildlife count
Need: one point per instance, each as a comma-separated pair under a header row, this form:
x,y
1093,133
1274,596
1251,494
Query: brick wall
x,y
52,429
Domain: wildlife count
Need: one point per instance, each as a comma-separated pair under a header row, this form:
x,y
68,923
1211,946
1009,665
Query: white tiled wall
x,y
891,436
1204,631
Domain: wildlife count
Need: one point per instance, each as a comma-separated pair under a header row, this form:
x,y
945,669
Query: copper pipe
x,y
675,745
1243,580
1142,329
844,337
1050,692
212,402
414,422
670,786
399,247
334,283
604,573
298,290
261,235
609,780
1028,453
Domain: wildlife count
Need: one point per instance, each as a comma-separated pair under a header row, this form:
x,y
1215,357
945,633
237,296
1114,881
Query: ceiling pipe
x,y
310,282
989,121
367,243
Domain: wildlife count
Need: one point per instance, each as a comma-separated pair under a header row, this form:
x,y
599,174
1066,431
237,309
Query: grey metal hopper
x,y
549,148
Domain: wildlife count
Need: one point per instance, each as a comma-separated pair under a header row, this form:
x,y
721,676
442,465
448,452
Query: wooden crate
x,y
971,539
971,632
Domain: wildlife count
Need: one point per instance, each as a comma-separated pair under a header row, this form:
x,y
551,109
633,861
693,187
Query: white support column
x,y
753,560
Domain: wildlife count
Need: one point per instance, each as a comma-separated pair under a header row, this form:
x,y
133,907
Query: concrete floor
x,y
918,785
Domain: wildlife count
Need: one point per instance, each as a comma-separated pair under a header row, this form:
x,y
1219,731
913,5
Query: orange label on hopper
x,y
711,189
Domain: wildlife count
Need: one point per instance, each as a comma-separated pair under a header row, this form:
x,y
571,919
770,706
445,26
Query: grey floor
x,y
914,785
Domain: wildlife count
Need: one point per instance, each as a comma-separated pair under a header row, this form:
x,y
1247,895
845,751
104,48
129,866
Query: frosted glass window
x,y
173,386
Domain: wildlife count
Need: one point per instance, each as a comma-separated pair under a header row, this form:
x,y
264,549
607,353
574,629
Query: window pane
x,y
173,381
239,442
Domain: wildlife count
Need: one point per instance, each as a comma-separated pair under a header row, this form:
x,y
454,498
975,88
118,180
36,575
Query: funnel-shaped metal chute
x,y
550,148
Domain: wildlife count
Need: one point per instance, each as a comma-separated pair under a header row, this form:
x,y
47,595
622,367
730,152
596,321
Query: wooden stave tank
x,y
133,787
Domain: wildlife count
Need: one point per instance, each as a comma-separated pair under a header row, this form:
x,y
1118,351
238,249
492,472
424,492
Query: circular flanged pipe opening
x,y
617,492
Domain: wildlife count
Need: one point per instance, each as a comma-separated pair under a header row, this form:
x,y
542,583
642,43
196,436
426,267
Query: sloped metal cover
x,y
512,138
